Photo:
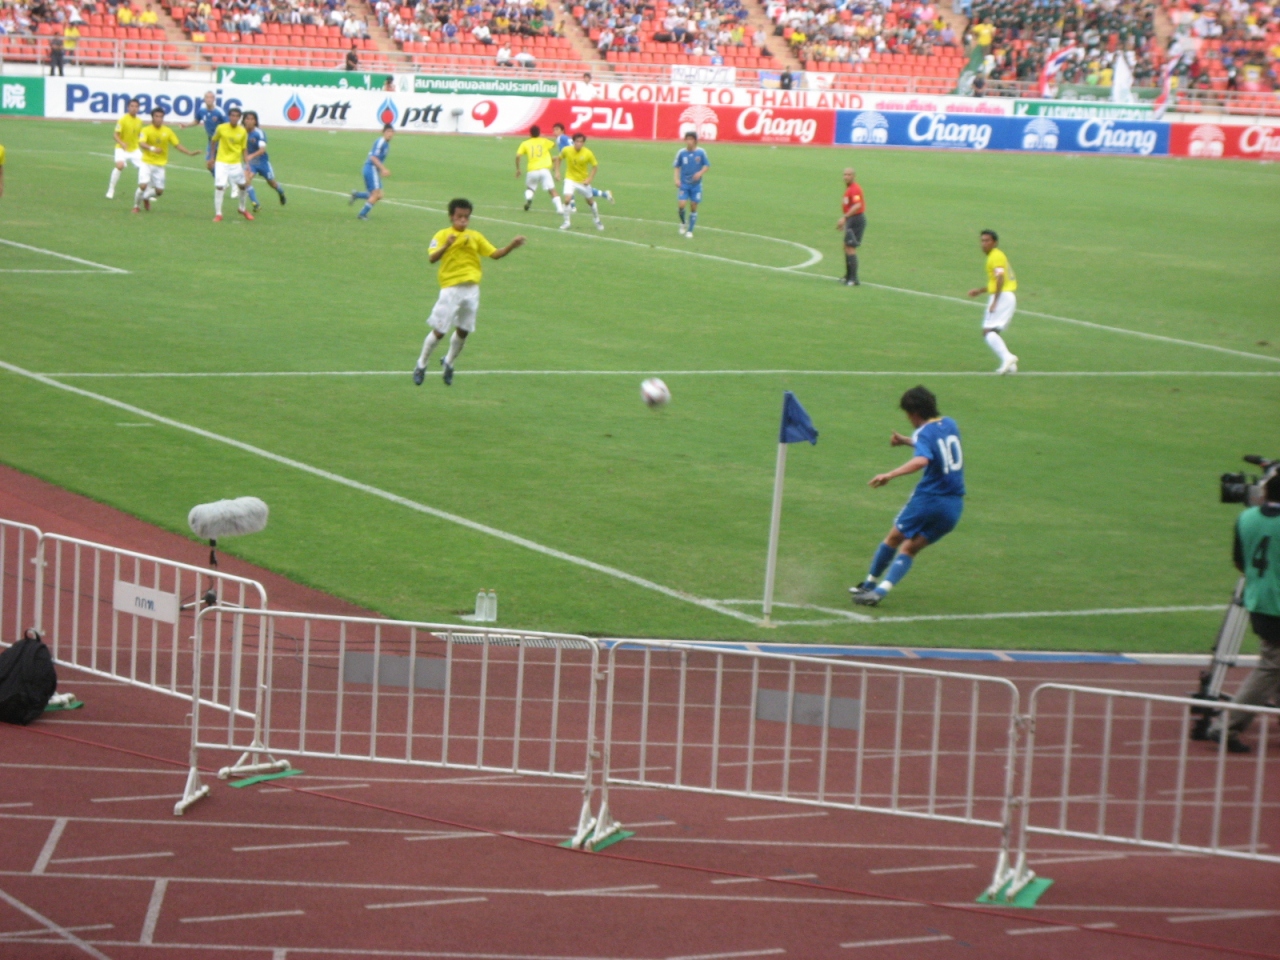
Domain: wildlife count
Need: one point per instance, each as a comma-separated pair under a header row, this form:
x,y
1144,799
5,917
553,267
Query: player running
x,y
210,116
228,166
580,166
563,140
374,170
853,221
936,503
541,163
690,167
1001,282
154,141
126,135
256,161
458,250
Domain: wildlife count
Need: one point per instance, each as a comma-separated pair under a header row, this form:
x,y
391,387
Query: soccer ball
x,y
654,392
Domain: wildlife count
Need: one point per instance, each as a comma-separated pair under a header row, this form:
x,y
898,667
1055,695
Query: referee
x,y
853,223
1257,556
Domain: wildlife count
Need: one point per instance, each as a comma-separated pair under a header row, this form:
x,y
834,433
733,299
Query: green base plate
x,y
262,777
608,841
73,705
1026,897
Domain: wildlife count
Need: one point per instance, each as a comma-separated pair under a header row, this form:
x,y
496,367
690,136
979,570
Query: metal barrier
x,y
805,730
19,572
434,695
1120,766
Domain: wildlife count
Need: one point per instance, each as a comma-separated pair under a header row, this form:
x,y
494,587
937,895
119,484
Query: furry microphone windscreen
x,y
227,518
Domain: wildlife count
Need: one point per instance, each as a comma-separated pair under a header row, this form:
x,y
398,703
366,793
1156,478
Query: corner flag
x,y
796,428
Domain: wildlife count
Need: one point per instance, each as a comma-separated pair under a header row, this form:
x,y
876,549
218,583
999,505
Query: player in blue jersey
x,y
936,503
211,116
690,167
562,140
256,161
374,170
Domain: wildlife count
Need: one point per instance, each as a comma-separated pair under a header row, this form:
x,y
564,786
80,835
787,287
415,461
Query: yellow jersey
x,y
231,142
538,150
996,260
161,138
578,163
461,262
1,154
983,33
127,129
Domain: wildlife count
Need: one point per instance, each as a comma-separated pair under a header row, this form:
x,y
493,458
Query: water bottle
x,y
482,607
491,607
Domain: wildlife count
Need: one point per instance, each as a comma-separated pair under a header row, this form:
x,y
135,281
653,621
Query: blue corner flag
x,y
796,425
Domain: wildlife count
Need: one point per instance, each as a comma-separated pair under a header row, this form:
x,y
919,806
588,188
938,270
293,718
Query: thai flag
x,y
1053,66
1163,101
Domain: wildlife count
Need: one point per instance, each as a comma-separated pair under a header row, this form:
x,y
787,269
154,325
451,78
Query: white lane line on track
x,y
781,876
154,905
1225,915
176,375
52,927
44,931
454,836
771,952
11,806
777,816
424,903
154,796
598,891
50,845
902,941
98,267
338,786
1026,931
393,498
244,916
292,846
932,869
114,856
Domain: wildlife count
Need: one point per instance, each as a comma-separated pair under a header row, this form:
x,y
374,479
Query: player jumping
x,y
1001,282
374,170
210,116
256,161
126,135
154,141
541,163
563,140
690,166
228,164
580,166
458,250
936,503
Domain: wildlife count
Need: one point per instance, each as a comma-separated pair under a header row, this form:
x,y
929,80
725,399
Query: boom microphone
x,y
225,518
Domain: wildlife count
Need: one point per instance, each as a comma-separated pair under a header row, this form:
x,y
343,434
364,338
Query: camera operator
x,y
1257,556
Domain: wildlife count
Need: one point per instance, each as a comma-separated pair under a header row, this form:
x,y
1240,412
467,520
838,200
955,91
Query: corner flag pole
x,y
796,427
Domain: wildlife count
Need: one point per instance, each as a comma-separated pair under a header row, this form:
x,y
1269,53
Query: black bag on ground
x,y
27,679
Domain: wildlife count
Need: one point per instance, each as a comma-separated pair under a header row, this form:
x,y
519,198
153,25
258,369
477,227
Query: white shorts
x,y
540,180
1003,312
456,307
224,173
151,175
127,157
573,186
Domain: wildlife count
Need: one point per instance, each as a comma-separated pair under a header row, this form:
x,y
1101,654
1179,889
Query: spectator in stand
x,y
56,57
124,15
787,80
353,58
70,38
148,17
481,34
503,56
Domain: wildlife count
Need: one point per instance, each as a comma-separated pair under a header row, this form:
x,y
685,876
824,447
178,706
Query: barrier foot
x,y
586,823
607,831
251,763
1025,895
193,791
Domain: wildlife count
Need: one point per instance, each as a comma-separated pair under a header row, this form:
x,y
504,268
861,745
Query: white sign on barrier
x,y
145,602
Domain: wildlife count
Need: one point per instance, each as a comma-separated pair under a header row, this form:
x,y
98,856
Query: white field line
x,y
385,495
52,927
162,375
98,267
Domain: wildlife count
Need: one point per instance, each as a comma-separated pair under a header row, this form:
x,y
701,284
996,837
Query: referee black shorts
x,y
853,229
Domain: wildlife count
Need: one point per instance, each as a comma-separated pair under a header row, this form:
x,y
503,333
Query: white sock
x,y
218,193
149,193
558,202
595,211
137,197
456,343
427,346
997,345
528,195
115,178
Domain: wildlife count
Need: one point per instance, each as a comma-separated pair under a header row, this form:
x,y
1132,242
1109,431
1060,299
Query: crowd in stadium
x,y
706,28
830,31
459,21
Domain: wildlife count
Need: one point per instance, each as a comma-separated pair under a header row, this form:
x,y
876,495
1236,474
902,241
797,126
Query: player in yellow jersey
x,y
230,139
539,150
126,133
458,249
154,141
580,166
1001,284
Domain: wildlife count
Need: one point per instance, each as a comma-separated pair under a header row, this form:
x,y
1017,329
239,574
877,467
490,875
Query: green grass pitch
x,y
1085,492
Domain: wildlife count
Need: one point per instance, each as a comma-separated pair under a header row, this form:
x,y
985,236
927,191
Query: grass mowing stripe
x,y
393,498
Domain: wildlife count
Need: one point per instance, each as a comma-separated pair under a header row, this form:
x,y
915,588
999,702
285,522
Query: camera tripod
x,y
1226,651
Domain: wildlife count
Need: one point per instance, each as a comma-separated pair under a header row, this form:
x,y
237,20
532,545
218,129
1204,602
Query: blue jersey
x,y
690,163
563,141
257,141
938,441
211,118
378,152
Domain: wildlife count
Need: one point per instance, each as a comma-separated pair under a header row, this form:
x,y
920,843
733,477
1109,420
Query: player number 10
x,y
952,458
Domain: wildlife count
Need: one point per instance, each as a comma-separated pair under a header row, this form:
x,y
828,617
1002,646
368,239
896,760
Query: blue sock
x,y
280,190
364,211
897,570
360,195
693,221
682,214
253,196
596,193
883,557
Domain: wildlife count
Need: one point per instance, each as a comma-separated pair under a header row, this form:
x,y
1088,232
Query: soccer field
x,y
1147,330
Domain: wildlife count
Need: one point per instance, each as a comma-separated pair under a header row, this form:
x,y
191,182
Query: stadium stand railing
x,y
19,556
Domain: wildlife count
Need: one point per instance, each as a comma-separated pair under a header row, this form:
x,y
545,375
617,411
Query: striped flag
x,y
1053,66
1165,99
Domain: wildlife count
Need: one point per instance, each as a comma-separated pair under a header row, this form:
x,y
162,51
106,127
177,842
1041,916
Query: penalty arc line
x,y
391,497
101,267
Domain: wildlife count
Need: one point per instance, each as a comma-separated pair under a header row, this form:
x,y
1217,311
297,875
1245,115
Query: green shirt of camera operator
x,y
1257,555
